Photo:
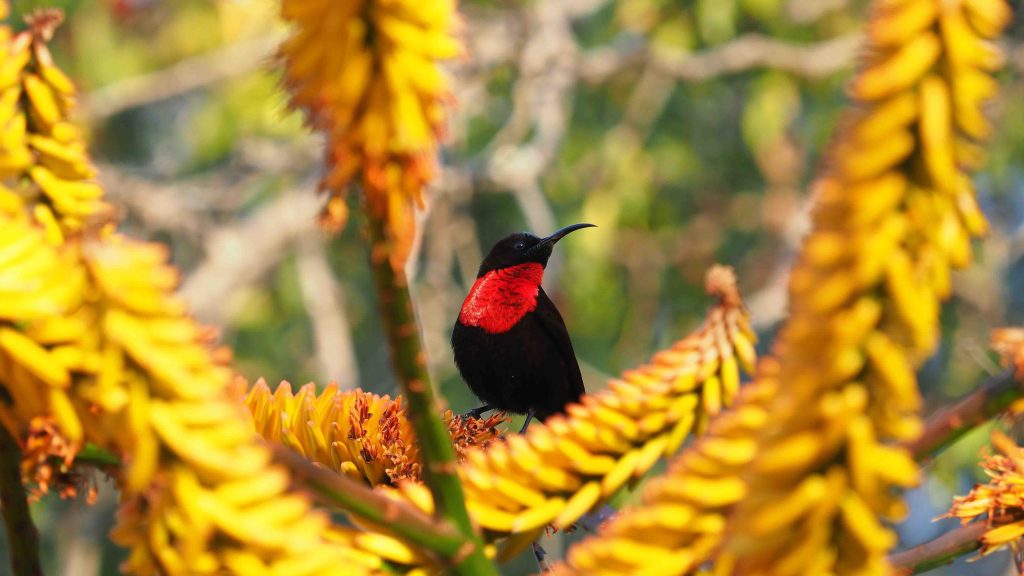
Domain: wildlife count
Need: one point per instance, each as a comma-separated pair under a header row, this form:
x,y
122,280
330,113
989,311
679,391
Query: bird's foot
x,y
529,417
477,412
541,556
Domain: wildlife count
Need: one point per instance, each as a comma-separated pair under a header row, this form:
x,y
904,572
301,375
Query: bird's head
x,y
523,248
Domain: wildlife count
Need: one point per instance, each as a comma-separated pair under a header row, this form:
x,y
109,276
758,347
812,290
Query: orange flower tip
x,y
222,355
44,21
238,387
327,224
720,282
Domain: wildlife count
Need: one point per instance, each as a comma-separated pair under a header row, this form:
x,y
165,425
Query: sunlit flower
x,y
364,435
367,73
43,159
1000,500
1009,343
95,347
894,213
799,477
47,463
681,515
200,492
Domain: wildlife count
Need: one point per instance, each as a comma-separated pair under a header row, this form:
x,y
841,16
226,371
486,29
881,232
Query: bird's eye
x,y
520,245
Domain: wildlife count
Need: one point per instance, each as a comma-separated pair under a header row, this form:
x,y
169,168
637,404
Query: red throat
x,y
500,298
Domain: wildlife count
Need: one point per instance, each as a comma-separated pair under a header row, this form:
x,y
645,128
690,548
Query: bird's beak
x,y
559,234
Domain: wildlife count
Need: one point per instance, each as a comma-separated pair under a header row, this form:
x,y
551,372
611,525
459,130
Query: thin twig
x,y
180,78
239,254
743,53
22,537
409,363
951,422
541,556
324,301
940,551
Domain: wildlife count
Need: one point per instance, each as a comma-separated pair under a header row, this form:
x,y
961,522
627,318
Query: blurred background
x,y
688,131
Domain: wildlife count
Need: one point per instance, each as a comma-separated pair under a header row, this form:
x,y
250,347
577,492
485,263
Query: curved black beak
x,y
559,234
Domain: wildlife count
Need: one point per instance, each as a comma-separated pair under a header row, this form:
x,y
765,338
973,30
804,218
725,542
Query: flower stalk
x,y
22,537
399,518
949,423
938,552
409,362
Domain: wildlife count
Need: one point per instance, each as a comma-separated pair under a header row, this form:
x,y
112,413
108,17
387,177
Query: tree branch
x,y
242,252
940,551
180,78
22,537
951,422
409,364
324,300
743,53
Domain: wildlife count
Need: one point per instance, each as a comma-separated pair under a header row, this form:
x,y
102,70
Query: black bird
x,y
510,342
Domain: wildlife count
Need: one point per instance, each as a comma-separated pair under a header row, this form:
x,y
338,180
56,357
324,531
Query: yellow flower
x,y
363,435
39,284
894,214
95,347
47,463
367,74
681,515
1009,343
200,492
44,164
1000,500
798,478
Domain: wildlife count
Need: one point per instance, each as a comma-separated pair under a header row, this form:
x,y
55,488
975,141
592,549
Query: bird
x,y
510,343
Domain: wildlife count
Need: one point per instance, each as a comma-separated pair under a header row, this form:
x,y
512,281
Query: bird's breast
x,y
500,298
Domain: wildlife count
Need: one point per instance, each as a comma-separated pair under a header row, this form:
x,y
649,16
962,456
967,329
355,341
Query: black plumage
x,y
510,342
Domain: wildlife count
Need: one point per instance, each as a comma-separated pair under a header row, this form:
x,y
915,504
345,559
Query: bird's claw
x,y
477,412
529,417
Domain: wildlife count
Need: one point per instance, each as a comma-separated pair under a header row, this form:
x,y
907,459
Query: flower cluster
x,y
48,463
797,478
367,73
558,470
894,212
45,163
1000,500
363,435
95,347
681,515
38,284
1009,344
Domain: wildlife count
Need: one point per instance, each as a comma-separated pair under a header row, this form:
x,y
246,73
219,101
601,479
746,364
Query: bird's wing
x,y
553,324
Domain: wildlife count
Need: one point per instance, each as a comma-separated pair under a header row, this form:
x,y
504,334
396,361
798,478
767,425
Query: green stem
x,y
949,423
940,551
93,455
409,363
358,500
22,537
